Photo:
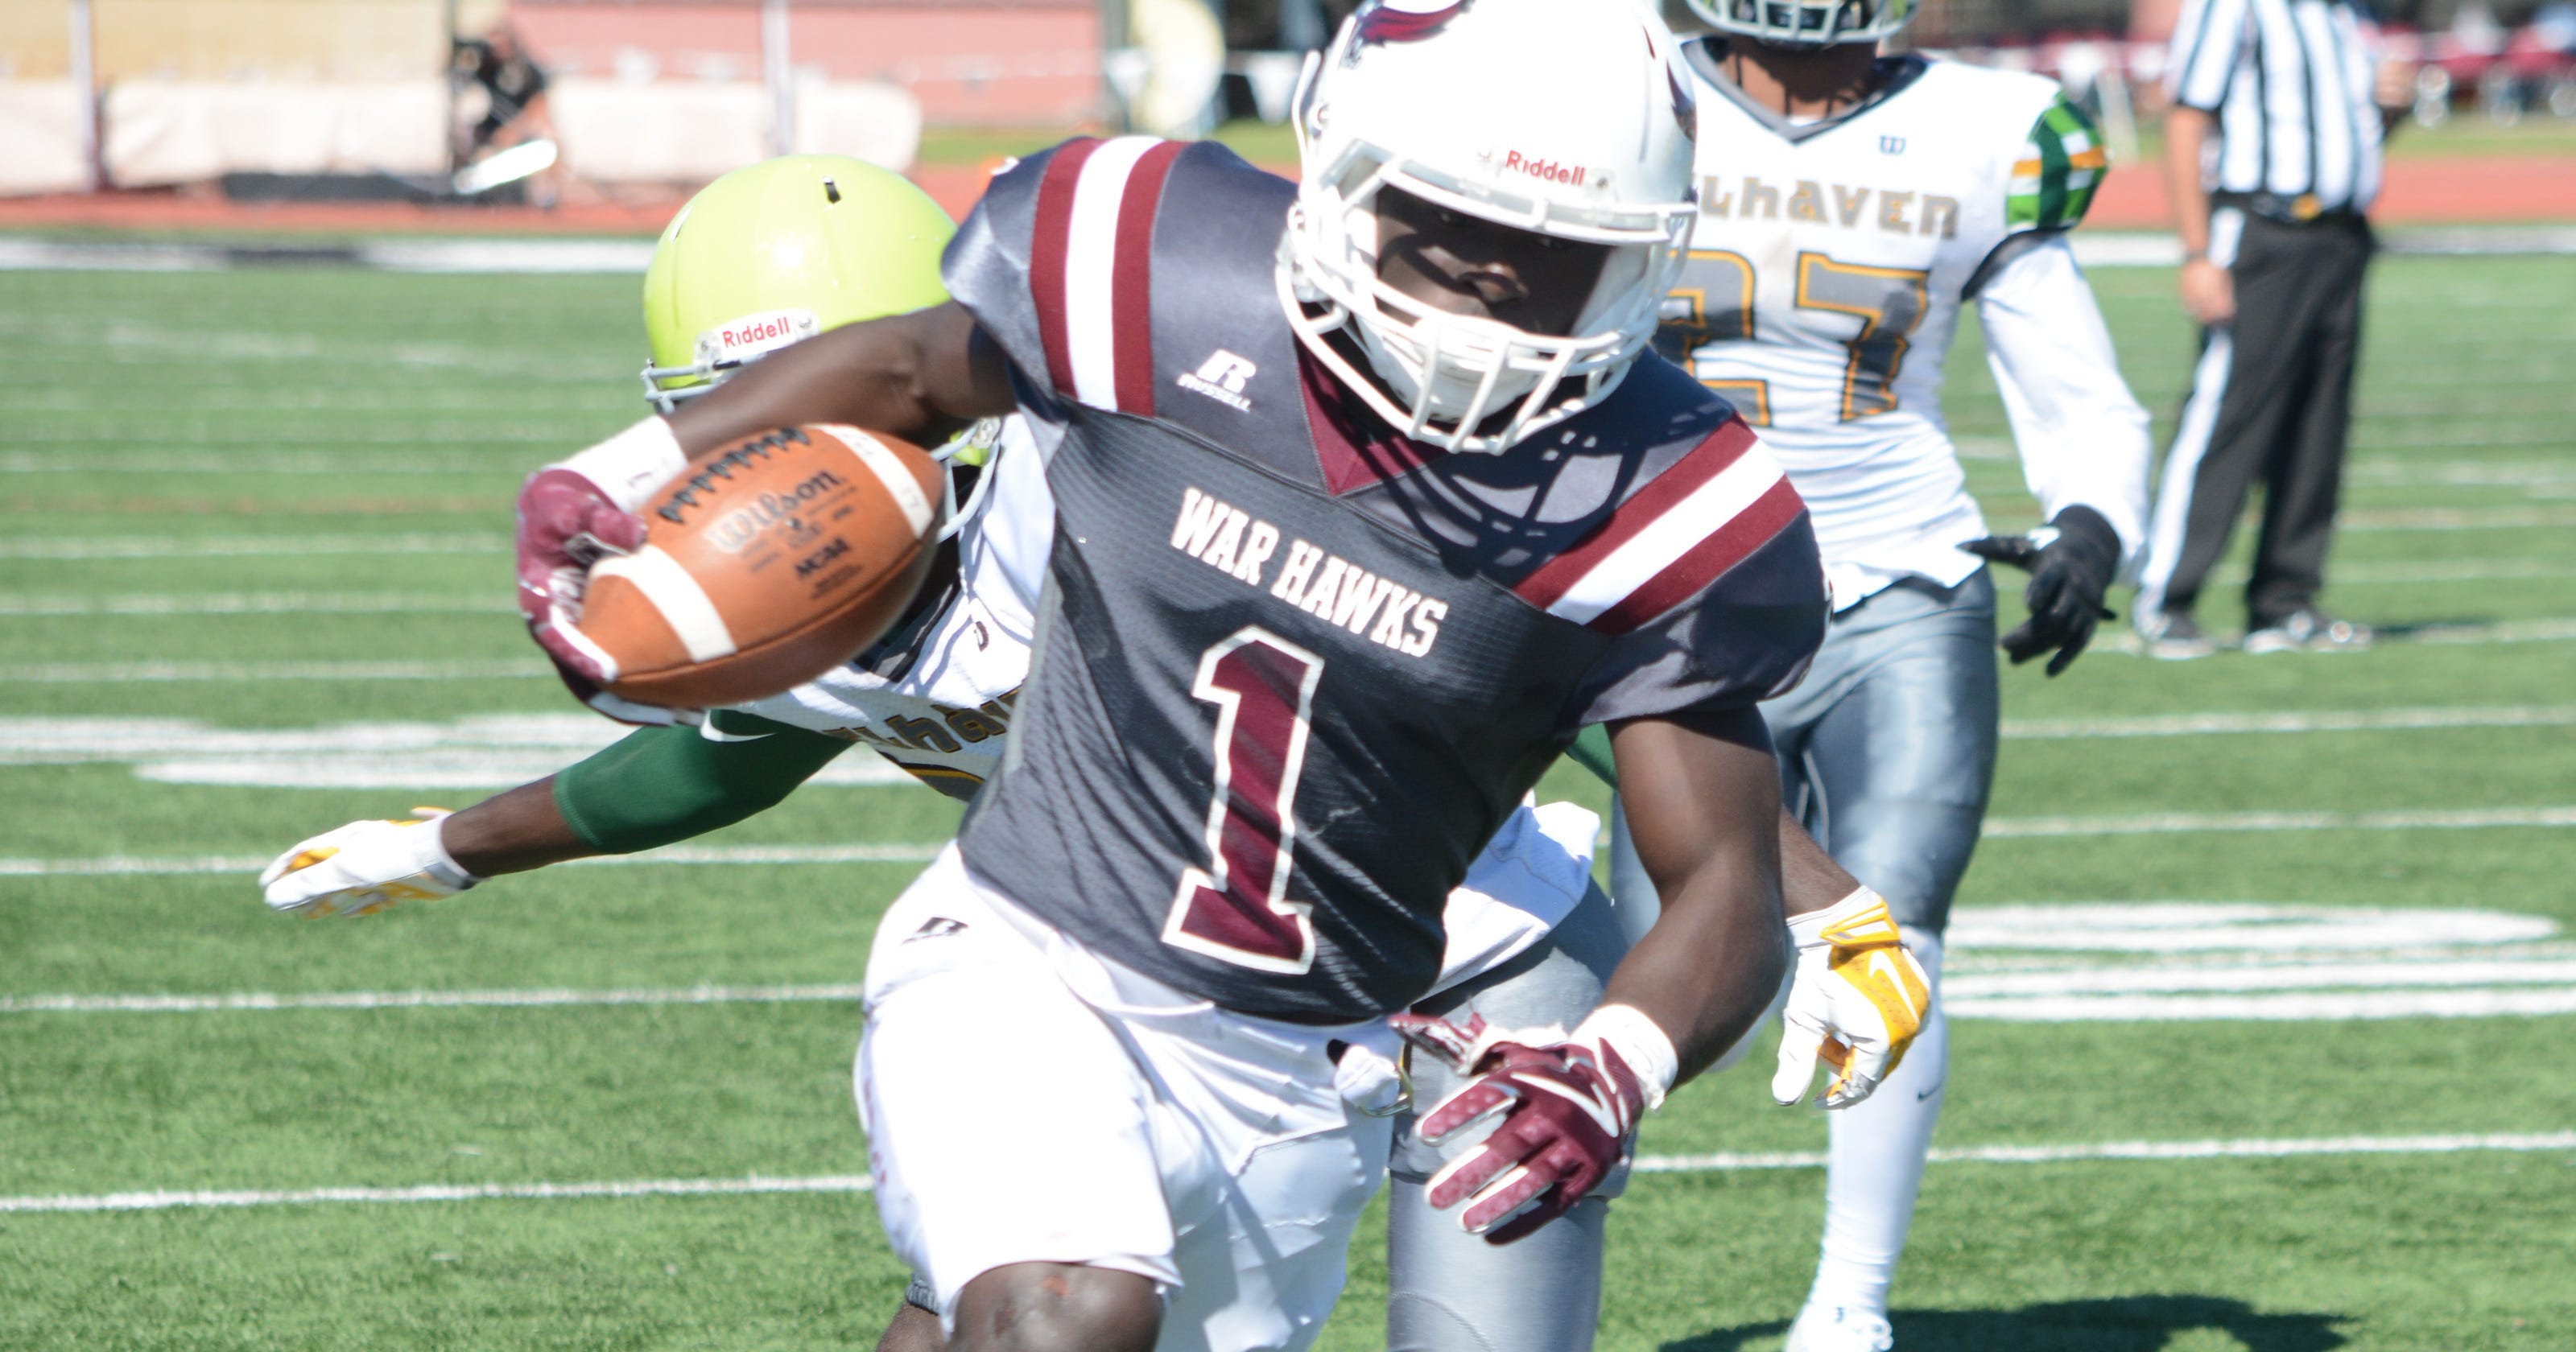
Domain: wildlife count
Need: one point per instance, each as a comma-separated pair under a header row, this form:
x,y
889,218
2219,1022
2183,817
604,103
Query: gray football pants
x,y
1887,749
1450,1291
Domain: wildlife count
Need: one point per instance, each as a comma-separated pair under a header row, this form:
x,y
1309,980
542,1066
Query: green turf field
x,y
254,583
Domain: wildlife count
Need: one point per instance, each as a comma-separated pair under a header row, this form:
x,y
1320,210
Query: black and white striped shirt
x,y
2290,81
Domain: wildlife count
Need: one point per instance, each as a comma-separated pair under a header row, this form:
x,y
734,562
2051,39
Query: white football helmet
x,y
1567,119
1806,23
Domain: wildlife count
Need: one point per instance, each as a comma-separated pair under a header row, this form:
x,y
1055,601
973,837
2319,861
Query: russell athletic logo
x,y
1221,378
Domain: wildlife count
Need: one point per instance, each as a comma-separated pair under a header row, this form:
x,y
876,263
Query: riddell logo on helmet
x,y
1571,175
757,334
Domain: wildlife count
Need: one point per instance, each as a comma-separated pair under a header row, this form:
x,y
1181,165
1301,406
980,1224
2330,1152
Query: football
x,y
766,566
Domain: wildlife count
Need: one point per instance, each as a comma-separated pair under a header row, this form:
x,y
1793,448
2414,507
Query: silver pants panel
x,y
1452,1291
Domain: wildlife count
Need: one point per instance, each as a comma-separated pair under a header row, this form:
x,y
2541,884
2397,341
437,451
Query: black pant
x,y
2272,395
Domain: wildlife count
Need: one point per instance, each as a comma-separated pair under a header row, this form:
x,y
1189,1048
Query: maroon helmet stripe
x,y
1700,464
1049,244
1707,561
1131,294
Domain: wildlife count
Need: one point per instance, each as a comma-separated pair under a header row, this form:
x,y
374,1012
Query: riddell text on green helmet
x,y
779,251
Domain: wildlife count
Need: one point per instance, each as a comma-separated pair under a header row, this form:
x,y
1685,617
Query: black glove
x,y
2071,562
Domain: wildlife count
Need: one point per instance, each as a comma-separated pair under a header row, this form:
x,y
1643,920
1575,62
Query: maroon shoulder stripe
x,y
1050,242
1643,508
1131,294
1757,525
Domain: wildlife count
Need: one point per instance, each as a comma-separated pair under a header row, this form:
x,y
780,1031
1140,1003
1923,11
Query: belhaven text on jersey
x,y
1294,669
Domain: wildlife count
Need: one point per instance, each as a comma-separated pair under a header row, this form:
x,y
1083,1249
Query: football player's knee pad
x,y
1450,1291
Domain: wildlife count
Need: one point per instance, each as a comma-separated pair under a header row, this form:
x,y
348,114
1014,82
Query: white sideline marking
x,y
494,751
2520,1142
492,999
296,463
2272,930
2454,518
2137,1150
2554,630
2369,720
124,673
17,605
268,439
443,1192
2506,631
128,866
418,255
2283,1007
2170,823
2253,977
74,547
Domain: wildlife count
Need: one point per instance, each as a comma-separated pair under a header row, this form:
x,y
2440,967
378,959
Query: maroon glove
x,y
571,515
1569,1116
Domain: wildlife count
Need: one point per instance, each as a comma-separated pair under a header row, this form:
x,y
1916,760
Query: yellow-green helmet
x,y
783,250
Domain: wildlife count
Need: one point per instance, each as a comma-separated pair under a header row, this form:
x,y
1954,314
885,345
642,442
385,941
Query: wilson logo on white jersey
x,y
1222,378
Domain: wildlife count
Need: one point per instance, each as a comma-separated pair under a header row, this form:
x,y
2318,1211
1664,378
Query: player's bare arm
x,y
1703,800
913,375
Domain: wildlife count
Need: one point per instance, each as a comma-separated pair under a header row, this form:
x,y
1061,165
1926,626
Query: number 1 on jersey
x,y
1237,910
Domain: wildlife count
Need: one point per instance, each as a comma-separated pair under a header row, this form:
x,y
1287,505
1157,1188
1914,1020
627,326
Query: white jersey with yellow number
x,y
1825,280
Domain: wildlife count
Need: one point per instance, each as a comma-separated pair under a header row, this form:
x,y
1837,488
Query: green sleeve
x,y
1591,750
659,785
2054,177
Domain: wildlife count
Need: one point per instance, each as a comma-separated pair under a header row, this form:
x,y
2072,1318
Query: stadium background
x,y
2302,1083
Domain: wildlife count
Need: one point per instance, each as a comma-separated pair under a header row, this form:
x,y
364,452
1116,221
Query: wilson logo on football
x,y
740,527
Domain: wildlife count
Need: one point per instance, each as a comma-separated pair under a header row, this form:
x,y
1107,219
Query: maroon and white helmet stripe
x,y
1706,514
1089,270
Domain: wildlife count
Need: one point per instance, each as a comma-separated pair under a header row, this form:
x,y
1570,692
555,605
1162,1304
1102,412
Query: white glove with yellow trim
x,y
1855,1002
364,867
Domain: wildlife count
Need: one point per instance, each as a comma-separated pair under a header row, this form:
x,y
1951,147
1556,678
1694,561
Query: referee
x,y
2273,149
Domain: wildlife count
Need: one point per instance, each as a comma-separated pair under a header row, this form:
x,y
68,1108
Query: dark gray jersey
x,y
1293,669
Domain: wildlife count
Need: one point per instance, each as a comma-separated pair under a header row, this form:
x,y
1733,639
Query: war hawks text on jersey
x,y
1292,670
1827,272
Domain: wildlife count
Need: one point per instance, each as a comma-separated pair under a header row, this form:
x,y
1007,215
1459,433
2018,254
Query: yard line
x,y
911,852
2455,518
127,866
2503,631
2361,720
301,462
2299,1006
2551,630
2139,1151
120,673
76,547
443,1192
2448,570
265,438
21,605
466,999
2450,972
2176,823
